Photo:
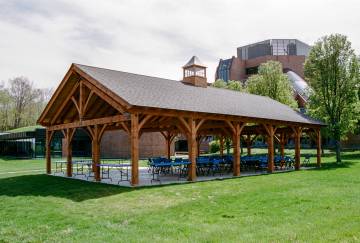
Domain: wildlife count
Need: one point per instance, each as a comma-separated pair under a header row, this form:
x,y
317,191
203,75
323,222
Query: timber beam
x,y
91,122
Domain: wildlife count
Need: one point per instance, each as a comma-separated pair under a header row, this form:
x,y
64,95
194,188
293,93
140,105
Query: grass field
x,y
314,205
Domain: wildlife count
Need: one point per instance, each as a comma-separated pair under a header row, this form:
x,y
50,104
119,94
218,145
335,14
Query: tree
x,y
5,109
219,83
23,95
236,85
272,82
231,84
332,70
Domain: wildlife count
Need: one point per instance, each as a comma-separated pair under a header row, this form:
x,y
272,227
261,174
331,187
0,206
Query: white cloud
x,y
40,39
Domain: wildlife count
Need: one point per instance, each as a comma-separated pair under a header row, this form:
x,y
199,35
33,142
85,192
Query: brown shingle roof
x,y
146,91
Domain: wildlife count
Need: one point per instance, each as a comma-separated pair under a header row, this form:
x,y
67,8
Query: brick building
x,y
291,53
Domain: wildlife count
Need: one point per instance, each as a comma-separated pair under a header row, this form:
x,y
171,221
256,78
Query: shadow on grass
x,y
52,186
42,185
333,165
351,156
17,159
79,190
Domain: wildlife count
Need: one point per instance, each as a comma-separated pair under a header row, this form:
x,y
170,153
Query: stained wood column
x,y
68,135
318,147
48,138
270,140
96,132
192,147
236,128
169,137
248,144
270,129
221,146
134,140
168,147
236,142
198,143
282,145
96,153
297,136
190,126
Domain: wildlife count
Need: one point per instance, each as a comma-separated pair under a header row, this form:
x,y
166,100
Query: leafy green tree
x,y
219,83
332,70
272,82
235,85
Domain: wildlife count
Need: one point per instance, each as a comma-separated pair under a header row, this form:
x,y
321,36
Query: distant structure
x,y
291,53
194,73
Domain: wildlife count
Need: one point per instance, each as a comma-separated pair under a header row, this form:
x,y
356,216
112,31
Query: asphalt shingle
x,y
146,91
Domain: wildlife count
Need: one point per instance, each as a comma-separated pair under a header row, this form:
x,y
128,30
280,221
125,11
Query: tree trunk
x,y
338,151
337,145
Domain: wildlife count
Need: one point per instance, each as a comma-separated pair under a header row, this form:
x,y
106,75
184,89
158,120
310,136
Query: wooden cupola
x,y
194,73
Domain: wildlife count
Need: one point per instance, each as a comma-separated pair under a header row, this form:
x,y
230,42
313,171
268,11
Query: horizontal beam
x,y
84,123
219,117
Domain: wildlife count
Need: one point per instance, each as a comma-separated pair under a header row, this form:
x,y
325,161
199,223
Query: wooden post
x,y
297,136
282,150
236,128
270,152
236,141
96,153
221,146
198,143
92,155
68,135
96,133
192,147
169,138
318,147
168,147
248,144
282,145
48,150
134,137
270,141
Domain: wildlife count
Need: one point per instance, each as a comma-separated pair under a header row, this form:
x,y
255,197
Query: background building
x,y
291,53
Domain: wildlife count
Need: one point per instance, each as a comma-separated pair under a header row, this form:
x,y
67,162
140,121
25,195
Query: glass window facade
x,y
224,70
273,47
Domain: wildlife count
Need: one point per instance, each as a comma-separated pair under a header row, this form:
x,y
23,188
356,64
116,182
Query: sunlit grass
x,y
309,205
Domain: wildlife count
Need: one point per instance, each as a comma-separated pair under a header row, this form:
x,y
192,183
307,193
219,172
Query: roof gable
x,y
78,98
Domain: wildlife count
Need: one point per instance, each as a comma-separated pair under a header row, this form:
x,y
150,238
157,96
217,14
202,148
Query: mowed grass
x,y
311,205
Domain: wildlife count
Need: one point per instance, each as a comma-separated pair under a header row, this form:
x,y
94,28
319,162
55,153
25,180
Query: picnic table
x,y
59,166
162,166
82,167
122,168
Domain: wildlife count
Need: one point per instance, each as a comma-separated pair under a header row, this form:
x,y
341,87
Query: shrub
x,y
214,146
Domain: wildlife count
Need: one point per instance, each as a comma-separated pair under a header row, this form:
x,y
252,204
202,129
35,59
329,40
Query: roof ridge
x,y
78,64
179,81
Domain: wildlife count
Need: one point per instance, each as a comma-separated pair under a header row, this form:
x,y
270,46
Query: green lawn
x,y
312,205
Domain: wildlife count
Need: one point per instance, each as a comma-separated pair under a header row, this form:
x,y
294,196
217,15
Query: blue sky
x,y
40,39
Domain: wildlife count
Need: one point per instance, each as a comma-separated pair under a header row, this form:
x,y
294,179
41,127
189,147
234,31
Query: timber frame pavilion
x,y
98,100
